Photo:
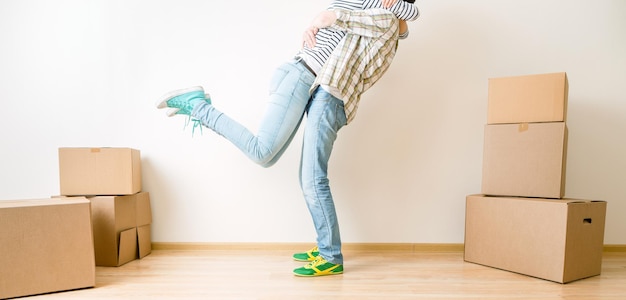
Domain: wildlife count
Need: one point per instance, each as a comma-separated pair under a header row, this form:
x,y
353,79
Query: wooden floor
x,y
266,274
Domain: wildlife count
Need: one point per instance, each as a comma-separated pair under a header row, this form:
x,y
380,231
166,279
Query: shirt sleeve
x,y
368,23
405,10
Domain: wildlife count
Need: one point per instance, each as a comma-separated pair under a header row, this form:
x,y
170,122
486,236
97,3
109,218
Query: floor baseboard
x,y
356,247
614,248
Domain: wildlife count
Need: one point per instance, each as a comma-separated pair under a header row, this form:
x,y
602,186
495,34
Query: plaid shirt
x,y
361,58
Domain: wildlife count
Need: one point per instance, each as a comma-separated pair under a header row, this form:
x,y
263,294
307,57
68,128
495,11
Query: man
x,y
289,100
360,59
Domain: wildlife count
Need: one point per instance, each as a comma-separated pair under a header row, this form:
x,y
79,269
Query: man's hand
x,y
388,3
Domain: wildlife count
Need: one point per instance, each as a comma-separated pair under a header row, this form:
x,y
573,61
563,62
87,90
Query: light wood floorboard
x,y
266,274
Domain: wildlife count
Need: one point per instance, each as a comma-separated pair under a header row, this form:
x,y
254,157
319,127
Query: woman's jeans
x,y
289,95
325,116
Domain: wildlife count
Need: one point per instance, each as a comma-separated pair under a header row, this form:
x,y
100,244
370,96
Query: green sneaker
x,y
318,267
182,102
307,256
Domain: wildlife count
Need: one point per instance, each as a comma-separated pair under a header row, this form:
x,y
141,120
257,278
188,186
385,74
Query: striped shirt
x,y
361,58
328,38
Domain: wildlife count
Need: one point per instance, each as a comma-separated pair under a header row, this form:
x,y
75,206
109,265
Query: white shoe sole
x,y
162,103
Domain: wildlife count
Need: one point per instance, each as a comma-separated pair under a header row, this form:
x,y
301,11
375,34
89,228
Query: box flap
x,y
128,246
144,240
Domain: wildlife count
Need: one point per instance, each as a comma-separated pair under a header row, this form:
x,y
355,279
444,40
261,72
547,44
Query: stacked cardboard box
x,y
525,143
521,222
121,214
45,246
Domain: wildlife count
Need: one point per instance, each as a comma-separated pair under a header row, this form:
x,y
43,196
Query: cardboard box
x,y
556,240
99,171
526,160
118,237
45,246
528,99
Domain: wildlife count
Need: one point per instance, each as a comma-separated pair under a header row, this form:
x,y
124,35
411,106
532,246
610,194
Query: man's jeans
x,y
325,116
289,95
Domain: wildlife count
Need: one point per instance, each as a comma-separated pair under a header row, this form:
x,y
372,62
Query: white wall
x,y
87,73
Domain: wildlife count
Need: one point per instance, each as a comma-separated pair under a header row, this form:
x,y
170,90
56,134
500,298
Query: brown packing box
x,y
527,99
121,228
526,160
99,171
45,246
556,240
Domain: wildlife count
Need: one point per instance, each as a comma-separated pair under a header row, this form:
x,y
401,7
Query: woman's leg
x,y
289,95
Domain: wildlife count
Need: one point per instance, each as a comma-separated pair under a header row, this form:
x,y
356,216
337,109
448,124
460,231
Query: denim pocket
x,y
284,81
340,114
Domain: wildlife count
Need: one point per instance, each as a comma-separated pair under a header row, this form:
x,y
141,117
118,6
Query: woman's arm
x,y
404,10
324,19
388,3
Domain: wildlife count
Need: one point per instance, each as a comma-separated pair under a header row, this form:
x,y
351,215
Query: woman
x,y
289,90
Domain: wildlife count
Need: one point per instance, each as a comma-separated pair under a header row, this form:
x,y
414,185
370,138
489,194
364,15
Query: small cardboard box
x,y
45,246
526,160
556,240
121,228
99,171
528,99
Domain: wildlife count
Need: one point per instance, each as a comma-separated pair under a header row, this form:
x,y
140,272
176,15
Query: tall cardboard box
x,y
121,228
526,160
99,171
556,240
45,246
528,99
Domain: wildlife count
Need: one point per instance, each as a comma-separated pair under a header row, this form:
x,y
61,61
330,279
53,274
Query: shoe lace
x,y
196,124
316,262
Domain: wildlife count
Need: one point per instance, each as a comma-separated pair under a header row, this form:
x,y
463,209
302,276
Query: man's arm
x,y
369,23
403,31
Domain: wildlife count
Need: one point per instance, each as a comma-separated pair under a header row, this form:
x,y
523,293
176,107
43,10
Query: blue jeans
x,y
325,116
289,95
